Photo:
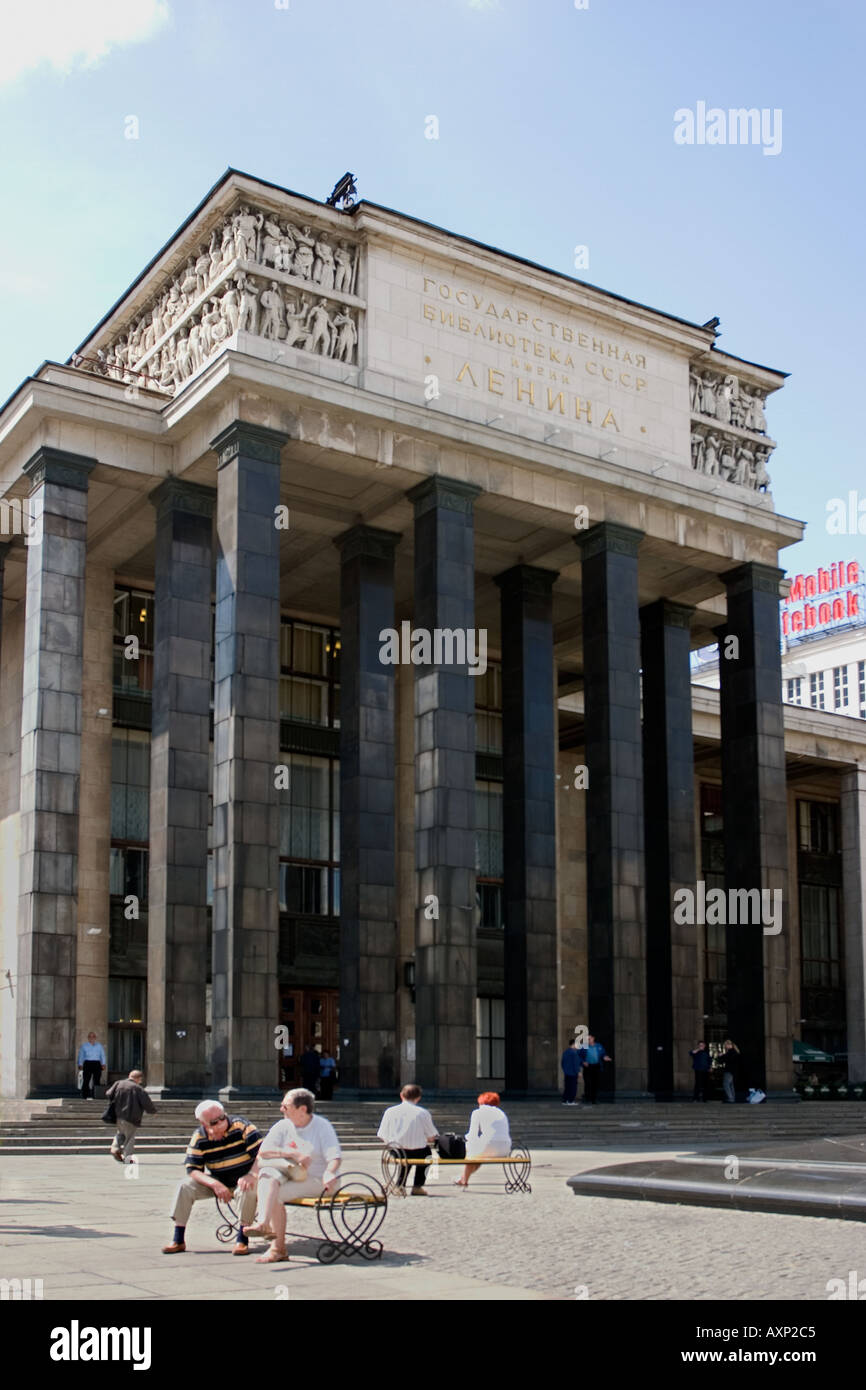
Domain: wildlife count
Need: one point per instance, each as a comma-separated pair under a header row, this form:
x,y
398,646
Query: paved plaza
x,y
90,1233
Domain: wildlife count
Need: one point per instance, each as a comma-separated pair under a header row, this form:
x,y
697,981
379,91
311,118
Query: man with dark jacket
x,y
130,1102
311,1066
571,1065
701,1062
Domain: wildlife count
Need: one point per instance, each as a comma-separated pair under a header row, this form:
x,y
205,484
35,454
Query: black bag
x,y
109,1114
451,1146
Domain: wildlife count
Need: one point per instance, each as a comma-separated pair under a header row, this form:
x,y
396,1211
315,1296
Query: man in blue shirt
x,y
91,1060
592,1055
571,1064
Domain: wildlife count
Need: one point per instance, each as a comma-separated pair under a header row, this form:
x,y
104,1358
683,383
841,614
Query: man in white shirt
x,y
410,1127
304,1154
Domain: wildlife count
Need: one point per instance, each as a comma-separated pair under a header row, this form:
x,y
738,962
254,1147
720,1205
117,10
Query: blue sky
x,y
555,129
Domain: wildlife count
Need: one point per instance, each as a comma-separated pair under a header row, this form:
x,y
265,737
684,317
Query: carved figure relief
x,y
729,404
199,309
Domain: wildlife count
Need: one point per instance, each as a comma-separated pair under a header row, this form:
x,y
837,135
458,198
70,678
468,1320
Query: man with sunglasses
x,y
227,1147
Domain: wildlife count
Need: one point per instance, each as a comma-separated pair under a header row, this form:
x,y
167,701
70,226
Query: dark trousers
x,y
419,1169
591,1077
89,1077
569,1093
702,1085
326,1087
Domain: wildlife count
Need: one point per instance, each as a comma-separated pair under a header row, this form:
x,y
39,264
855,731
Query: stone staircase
x,y
73,1126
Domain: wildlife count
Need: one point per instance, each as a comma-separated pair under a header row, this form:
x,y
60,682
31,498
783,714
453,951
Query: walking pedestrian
x,y
91,1060
593,1055
571,1065
130,1101
701,1063
732,1062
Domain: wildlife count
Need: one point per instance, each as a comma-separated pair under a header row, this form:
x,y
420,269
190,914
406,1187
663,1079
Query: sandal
x,y
273,1257
259,1230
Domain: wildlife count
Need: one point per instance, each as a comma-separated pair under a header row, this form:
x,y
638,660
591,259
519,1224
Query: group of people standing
x,y
733,1071
588,1061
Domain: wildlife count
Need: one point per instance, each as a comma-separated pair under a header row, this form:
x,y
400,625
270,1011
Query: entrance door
x,y
309,1016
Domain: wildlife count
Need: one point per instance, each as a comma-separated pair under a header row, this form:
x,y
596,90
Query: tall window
x,y
490,1038
820,935
309,674
310,837
822,971
795,690
133,660
488,711
840,687
126,1024
488,855
816,690
130,812
861,687
818,827
713,874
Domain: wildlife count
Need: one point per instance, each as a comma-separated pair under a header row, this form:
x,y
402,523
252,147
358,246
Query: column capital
x,y
437,491
173,494
369,541
50,465
526,579
669,613
753,577
253,441
608,535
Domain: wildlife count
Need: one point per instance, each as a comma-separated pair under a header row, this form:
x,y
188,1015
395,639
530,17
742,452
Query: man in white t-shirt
x,y
410,1127
304,1154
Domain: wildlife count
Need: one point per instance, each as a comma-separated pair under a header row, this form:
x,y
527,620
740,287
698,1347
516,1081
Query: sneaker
x,y
420,1192
571,1102
115,1153
176,1248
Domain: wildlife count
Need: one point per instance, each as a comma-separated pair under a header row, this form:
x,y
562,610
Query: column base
x,y
247,1093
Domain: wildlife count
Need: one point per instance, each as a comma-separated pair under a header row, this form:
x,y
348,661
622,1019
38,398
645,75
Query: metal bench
x,y
517,1166
349,1218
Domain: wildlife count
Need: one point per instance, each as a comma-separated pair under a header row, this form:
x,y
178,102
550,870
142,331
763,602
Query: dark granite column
x,y
754,799
853,814
445,958
368,946
177,937
50,771
669,841
246,754
529,828
614,807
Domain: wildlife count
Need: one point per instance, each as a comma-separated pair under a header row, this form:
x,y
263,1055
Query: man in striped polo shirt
x,y
227,1147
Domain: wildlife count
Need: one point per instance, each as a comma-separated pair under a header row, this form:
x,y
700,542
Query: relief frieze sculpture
x,y
729,436
258,274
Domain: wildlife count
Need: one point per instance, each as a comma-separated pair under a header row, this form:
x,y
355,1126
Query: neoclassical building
x,y
350,574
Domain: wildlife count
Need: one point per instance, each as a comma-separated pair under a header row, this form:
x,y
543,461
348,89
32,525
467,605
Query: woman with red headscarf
x,y
488,1135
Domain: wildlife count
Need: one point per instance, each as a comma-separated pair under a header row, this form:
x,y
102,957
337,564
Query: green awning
x,y
805,1052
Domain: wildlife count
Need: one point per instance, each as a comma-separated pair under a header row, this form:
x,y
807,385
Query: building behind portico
x,y
223,813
